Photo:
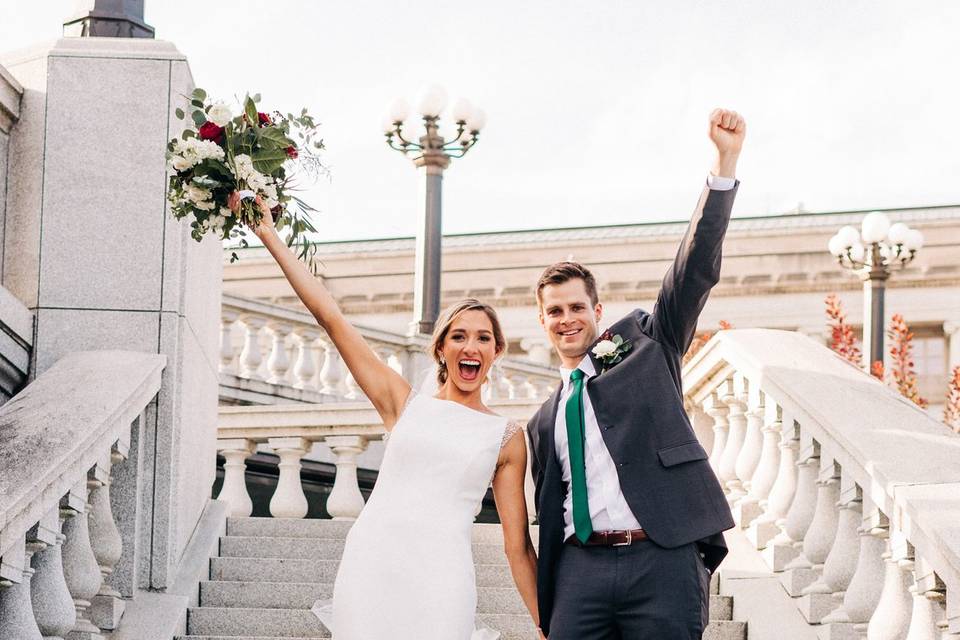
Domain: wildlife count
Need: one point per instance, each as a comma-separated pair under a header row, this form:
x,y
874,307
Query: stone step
x,y
290,570
725,630
337,529
302,595
322,549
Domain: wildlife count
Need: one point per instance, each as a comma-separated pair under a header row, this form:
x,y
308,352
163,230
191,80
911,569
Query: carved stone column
x,y
52,604
752,506
288,500
16,610
234,489
332,371
777,504
345,501
891,619
279,362
818,540
250,356
749,456
928,619
788,543
80,567
107,606
735,397
718,411
227,320
826,594
863,592
304,369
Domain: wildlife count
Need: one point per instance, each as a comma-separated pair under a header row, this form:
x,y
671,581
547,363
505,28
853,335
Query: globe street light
x,y
872,253
432,154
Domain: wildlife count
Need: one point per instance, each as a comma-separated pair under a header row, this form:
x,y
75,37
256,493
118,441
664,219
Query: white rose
x,y
220,114
605,348
180,163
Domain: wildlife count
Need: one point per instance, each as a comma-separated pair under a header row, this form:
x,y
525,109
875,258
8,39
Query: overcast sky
x,y
596,110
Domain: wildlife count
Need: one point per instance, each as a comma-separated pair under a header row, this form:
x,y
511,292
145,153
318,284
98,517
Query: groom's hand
x,y
727,131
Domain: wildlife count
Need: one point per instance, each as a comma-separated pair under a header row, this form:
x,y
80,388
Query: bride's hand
x,y
266,221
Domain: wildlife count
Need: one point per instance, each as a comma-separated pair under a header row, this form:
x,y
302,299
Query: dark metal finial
x,y
108,19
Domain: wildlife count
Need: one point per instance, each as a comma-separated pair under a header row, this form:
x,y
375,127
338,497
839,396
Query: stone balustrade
x,y
271,353
65,440
292,430
851,492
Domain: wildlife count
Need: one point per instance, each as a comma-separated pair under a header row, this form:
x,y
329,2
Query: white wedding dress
x,y
407,569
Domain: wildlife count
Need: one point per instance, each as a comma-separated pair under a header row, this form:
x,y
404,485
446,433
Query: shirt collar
x,y
586,365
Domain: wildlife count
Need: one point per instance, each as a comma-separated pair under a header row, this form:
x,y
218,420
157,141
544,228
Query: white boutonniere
x,y
610,350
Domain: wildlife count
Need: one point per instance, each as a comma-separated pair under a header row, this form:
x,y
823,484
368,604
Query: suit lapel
x,y
547,427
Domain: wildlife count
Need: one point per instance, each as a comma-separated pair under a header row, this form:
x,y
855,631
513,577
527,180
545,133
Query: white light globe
x,y
835,246
432,101
898,233
849,236
399,110
857,252
387,125
875,227
462,110
913,241
478,121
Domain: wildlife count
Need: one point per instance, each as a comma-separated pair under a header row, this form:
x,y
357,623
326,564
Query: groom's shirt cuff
x,y
719,183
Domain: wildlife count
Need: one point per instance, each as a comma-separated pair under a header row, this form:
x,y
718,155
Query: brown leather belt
x,y
610,538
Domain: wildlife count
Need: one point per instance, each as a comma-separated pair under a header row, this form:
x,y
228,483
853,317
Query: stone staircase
x,y
271,570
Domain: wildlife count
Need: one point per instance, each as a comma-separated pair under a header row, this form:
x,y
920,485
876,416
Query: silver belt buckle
x,y
627,543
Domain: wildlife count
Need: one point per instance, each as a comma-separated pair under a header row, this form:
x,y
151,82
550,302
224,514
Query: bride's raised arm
x,y
385,388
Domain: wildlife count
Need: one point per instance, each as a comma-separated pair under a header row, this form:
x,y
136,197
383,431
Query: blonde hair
x,y
447,318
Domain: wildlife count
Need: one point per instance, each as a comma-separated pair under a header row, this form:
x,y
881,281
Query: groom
x,y
630,512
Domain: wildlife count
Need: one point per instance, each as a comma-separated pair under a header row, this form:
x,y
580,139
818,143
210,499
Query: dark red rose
x,y
606,335
263,118
292,152
210,131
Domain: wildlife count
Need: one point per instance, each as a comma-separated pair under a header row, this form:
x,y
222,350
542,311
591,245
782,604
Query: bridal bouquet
x,y
255,153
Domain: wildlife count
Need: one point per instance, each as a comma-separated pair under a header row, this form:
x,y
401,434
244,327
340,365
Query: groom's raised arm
x,y
696,268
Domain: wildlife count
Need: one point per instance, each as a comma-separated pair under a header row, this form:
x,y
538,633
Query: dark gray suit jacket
x,y
663,470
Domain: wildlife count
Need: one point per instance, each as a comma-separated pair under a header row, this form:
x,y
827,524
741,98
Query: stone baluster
x,y
227,356
354,392
390,355
80,568
332,372
250,356
718,413
749,457
826,594
304,369
345,501
17,621
517,386
891,618
928,618
761,482
52,604
863,592
778,501
234,489
538,350
288,500
279,362
107,606
493,390
735,397
805,569
542,387
787,544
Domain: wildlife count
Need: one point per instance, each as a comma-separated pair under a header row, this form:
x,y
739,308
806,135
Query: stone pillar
x,y
538,350
288,500
80,568
96,185
718,411
16,609
787,544
734,395
951,331
749,456
52,604
234,489
345,501
891,618
821,533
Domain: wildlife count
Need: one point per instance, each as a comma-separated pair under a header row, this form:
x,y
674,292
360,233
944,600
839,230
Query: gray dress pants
x,y
636,592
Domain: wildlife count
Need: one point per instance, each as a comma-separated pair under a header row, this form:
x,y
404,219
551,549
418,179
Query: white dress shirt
x,y
608,508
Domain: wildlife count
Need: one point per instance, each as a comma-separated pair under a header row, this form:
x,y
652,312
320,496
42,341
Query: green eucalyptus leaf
x,y
179,113
199,117
256,97
250,110
199,94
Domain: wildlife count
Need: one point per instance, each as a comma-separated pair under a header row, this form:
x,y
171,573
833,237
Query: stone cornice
x,y
10,94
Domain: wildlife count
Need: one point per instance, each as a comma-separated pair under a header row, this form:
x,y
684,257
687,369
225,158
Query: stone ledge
x,y
10,94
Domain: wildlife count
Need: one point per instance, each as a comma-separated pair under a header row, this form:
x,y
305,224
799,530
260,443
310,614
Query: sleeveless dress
x,y
407,569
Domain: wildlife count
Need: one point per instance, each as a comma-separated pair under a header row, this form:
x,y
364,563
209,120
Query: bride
x,y
407,569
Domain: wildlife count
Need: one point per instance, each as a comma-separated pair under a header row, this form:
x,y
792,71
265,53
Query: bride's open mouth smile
x,y
469,369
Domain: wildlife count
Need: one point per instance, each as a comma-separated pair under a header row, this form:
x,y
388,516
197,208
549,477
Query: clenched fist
x,y
727,131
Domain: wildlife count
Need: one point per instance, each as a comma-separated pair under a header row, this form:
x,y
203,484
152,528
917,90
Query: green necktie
x,y
578,470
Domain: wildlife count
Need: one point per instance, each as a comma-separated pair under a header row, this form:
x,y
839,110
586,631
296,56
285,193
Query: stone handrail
x,y
270,353
851,492
16,342
291,431
65,440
